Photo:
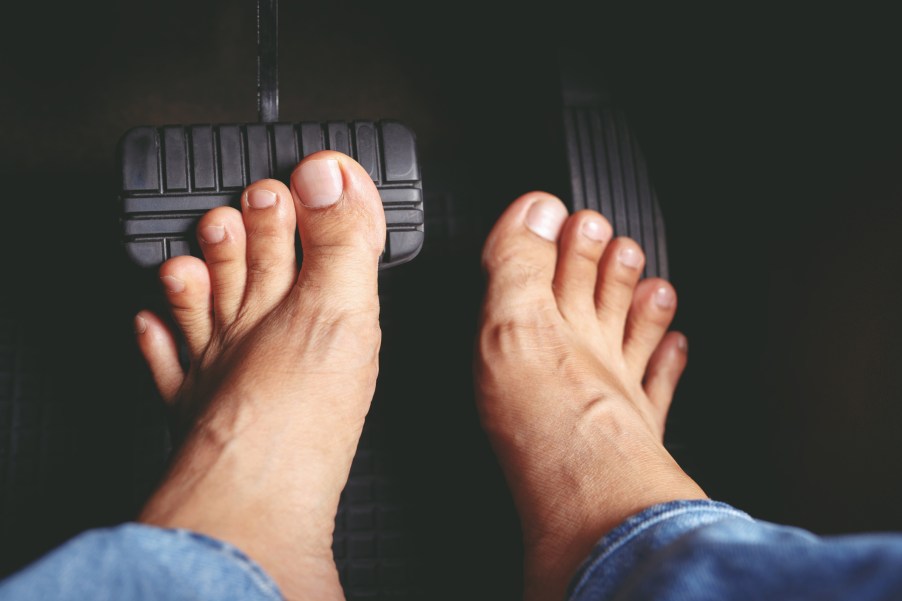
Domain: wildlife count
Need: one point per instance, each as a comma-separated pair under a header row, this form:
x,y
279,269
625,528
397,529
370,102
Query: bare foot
x,y
283,368
575,373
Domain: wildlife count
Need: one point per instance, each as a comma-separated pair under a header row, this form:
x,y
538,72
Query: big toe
x,y
521,250
342,228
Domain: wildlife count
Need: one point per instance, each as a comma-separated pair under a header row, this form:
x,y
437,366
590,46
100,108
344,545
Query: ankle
x,y
301,576
559,538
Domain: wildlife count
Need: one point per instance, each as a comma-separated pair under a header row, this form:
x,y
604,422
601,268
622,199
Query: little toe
x,y
186,282
521,250
583,240
223,241
270,224
618,273
160,351
654,304
664,370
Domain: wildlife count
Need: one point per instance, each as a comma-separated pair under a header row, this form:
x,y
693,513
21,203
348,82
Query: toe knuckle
x,y
515,326
498,256
515,266
585,252
342,335
262,266
270,238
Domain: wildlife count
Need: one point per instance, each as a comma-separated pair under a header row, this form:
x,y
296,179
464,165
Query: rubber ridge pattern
x,y
608,173
172,175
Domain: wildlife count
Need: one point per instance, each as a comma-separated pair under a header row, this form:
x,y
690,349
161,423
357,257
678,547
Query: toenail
x,y
319,183
212,234
683,344
545,218
665,298
260,198
140,325
594,230
629,257
172,284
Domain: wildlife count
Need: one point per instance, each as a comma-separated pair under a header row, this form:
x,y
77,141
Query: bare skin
x,y
283,368
575,372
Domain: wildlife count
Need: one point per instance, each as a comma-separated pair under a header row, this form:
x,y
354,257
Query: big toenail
x,y
683,343
629,257
140,325
172,284
261,198
212,234
319,183
665,298
545,218
594,230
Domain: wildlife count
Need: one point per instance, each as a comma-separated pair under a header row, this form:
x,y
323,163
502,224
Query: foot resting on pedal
x,y
283,368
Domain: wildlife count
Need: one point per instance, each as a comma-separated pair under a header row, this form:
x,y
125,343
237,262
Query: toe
x,y
158,346
223,241
270,224
342,229
520,253
654,304
583,239
618,272
664,371
186,282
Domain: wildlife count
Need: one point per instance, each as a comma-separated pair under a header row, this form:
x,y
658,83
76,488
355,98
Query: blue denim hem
x,y
247,565
138,562
700,512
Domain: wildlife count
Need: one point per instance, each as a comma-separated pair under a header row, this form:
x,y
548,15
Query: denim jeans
x,y
706,550
675,551
137,562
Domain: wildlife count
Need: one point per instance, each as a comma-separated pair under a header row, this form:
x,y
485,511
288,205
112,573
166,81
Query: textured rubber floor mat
x,y
173,175
372,545
25,415
35,438
385,528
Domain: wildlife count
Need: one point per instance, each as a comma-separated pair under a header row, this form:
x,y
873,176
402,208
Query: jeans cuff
x,y
236,556
651,528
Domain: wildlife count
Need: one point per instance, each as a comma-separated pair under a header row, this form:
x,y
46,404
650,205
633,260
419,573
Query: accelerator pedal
x,y
608,172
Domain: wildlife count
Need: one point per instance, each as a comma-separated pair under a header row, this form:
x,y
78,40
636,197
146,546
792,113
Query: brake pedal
x,y
172,175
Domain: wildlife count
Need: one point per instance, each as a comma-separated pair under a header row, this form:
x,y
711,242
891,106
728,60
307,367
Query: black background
x,y
773,136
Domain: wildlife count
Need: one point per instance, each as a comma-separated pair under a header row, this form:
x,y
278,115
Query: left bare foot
x,y
283,368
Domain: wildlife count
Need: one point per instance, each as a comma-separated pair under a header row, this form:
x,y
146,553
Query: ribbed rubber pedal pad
x,y
172,175
608,172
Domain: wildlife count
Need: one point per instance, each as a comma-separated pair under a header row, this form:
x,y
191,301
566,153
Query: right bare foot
x,y
575,373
